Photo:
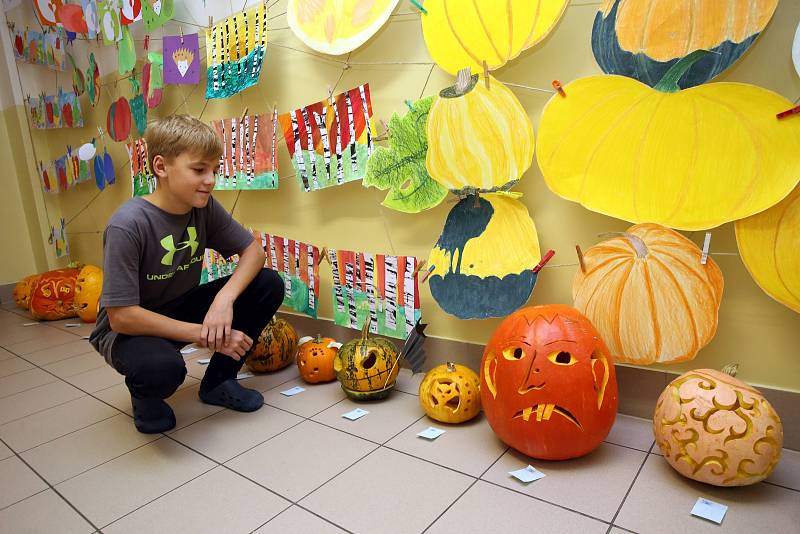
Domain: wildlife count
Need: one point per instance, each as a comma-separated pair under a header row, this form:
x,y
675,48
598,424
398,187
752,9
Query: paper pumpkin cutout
x,y
118,119
379,288
181,58
297,263
70,16
460,34
337,27
330,141
478,138
482,263
249,155
142,179
108,14
401,167
92,18
130,11
649,296
644,39
235,50
126,52
769,244
93,80
156,13
153,79
690,160
46,11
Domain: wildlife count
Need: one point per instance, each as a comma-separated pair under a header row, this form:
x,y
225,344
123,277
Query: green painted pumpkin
x,y
275,348
367,366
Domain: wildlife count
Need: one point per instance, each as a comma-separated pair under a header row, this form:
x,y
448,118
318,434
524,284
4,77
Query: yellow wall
x,y
755,331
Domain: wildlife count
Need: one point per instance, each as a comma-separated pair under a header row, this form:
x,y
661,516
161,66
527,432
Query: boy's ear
x,y
159,166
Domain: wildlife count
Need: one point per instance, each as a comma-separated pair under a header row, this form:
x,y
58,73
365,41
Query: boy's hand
x,y
236,345
216,329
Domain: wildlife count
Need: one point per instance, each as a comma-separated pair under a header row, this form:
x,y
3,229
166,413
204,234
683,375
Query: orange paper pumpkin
x,y
450,393
275,347
548,385
53,296
88,287
23,289
716,429
315,358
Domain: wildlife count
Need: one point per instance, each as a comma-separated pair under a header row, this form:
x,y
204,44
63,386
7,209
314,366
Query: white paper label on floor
x,y
431,433
293,391
72,325
85,337
244,374
355,414
204,361
713,511
188,349
29,324
528,474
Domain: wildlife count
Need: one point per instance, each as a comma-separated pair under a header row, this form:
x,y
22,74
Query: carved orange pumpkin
x,y
716,429
548,385
53,296
275,347
88,287
450,393
23,289
315,359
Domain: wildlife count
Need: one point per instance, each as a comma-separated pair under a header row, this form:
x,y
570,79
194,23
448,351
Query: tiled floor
x,y
71,461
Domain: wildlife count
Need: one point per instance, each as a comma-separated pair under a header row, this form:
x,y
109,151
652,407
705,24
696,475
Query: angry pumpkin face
x,y
548,385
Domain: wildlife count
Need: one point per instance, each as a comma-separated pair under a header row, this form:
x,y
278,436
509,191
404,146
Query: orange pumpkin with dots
x,y
315,358
548,386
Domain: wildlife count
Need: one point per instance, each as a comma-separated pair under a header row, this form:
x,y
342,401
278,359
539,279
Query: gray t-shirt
x,y
151,257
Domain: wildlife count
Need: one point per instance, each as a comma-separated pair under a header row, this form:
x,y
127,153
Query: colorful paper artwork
x,y
70,17
643,40
93,80
130,11
138,106
92,18
249,159
46,11
216,266
108,14
401,167
235,51
66,171
330,142
298,265
482,264
126,52
58,238
153,79
181,57
337,27
143,180
118,119
56,111
104,173
383,288
39,48
156,13
690,160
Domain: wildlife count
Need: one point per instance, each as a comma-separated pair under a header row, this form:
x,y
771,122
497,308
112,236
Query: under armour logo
x,y
169,245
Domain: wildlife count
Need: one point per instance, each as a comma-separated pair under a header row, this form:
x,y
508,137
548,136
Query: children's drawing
x,y
181,59
249,159
157,13
58,238
39,48
298,264
216,266
108,14
143,180
56,111
46,11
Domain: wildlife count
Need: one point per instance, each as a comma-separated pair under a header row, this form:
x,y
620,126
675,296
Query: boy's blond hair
x,y
172,136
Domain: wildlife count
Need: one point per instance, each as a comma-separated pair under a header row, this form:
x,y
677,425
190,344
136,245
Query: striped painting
x,y
143,181
249,159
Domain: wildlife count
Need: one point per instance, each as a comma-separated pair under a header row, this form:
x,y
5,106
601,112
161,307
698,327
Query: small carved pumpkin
x,y
548,386
367,366
716,429
53,296
23,289
88,287
275,347
315,359
450,393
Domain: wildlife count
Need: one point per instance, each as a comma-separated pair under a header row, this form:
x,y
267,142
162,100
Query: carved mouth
x,y
545,411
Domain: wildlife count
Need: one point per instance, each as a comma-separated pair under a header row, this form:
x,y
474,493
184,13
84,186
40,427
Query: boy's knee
x,y
268,286
157,377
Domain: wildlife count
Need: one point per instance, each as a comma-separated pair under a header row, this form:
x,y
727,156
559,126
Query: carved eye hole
x,y
562,358
513,353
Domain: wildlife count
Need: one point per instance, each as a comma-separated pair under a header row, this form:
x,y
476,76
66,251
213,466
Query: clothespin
x,y
330,91
580,258
788,113
100,132
545,259
323,255
486,73
557,86
706,245
210,21
244,113
477,200
418,5
419,266
180,29
146,43
427,274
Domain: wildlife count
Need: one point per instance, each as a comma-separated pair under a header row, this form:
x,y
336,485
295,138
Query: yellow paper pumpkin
x,y
337,26
478,138
465,34
769,244
691,159
649,296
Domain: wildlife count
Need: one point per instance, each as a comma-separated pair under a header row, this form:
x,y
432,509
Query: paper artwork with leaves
x,y
56,111
93,81
156,13
235,51
216,266
64,173
108,15
142,178
330,142
249,158
138,106
400,169
384,288
58,238
297,263
47,49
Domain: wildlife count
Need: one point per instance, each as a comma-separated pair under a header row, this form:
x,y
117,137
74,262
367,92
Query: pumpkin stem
x,y
731,369
669,82
635,241
451,367
464,84
365,328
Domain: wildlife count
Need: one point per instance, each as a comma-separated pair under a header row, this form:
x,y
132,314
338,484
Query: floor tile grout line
x,y
613,526
337,474
52,487
28,389
68,433
630,487
16,372
417,420
780,486
6,507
